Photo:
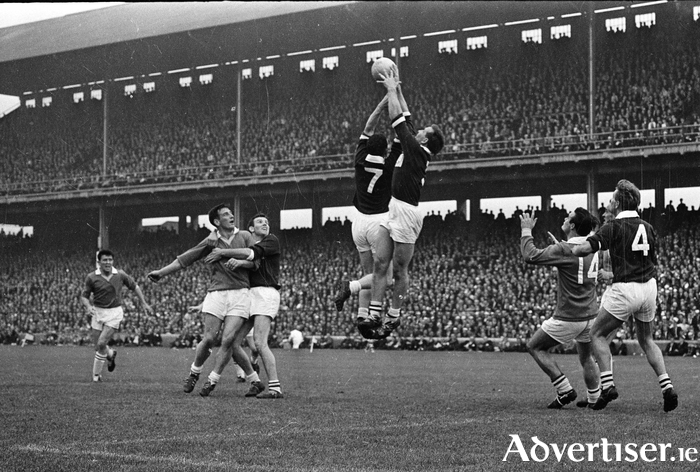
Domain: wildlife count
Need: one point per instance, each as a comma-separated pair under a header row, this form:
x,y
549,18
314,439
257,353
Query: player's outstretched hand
x,y
390,81
154,276
552,238
148,308
527,222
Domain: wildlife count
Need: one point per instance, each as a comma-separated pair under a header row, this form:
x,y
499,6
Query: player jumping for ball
x,y
398,234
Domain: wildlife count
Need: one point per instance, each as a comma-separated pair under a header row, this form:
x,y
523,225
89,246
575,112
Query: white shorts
x,y
223,303
365,230
565,331
625,299
404,223
264,301
111,317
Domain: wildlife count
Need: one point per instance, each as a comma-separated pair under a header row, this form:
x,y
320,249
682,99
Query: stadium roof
x,y
135,39
133,21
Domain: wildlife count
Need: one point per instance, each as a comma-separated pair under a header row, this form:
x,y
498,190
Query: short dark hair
x,y
257,215
436,140
583,221
628,196
377,145
104,252
214,212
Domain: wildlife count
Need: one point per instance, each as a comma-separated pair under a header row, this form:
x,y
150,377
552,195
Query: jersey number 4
x,y
641,241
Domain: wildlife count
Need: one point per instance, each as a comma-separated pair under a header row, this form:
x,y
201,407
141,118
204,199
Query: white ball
x,y
382,66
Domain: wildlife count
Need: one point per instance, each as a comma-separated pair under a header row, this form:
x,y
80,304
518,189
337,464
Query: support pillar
x,y
592,193
103,238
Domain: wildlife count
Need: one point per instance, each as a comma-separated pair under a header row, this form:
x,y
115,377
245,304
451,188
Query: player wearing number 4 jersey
x,y
632,245
576,303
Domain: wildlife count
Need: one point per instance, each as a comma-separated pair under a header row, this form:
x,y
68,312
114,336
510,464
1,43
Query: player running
x,y
576,304
632,245
105,285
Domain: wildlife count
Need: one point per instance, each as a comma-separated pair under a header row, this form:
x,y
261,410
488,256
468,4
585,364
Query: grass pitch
x,y
343,411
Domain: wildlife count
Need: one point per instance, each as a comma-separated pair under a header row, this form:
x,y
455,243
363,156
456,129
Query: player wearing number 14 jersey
x,y
576,303
632,245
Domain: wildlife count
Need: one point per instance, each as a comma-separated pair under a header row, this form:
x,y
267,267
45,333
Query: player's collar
x,y
627,214
228,241
99,272
577,240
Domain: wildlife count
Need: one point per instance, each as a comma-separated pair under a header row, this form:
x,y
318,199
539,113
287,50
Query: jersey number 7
x,y
377,173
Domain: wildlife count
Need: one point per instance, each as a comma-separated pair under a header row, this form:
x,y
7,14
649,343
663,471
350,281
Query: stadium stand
x,y
467,292
531,103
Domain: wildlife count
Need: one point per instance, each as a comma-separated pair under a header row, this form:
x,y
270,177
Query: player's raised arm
x,y
391,83
374,117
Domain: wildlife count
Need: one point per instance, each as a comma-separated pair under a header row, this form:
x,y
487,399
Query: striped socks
x,y
606,380
274,386
562,385
665,382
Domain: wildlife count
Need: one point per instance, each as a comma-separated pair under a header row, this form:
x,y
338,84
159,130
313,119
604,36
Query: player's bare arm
x,y
233,264
156,275
238,253
391,83
582,250
374,117
144,304
88,306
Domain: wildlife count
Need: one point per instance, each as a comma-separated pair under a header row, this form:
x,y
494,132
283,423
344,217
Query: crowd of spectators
x,y
534,102
469,285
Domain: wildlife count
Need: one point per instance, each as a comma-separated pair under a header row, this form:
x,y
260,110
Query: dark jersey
x,y
412,164
632,245
266,254
107,293
373,176
576,276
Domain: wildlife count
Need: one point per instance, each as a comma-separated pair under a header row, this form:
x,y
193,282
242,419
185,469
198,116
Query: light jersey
x,y
576,277
107,293
373,175
412,164
632,245
221,277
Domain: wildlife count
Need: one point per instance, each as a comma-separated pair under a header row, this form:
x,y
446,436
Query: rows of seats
x,y
645,94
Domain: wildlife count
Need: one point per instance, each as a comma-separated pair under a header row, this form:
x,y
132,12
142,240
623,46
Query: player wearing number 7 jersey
x,y
373,175
576,303
632,245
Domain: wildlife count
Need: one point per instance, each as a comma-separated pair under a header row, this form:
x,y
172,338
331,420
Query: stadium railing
x,y
654,140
